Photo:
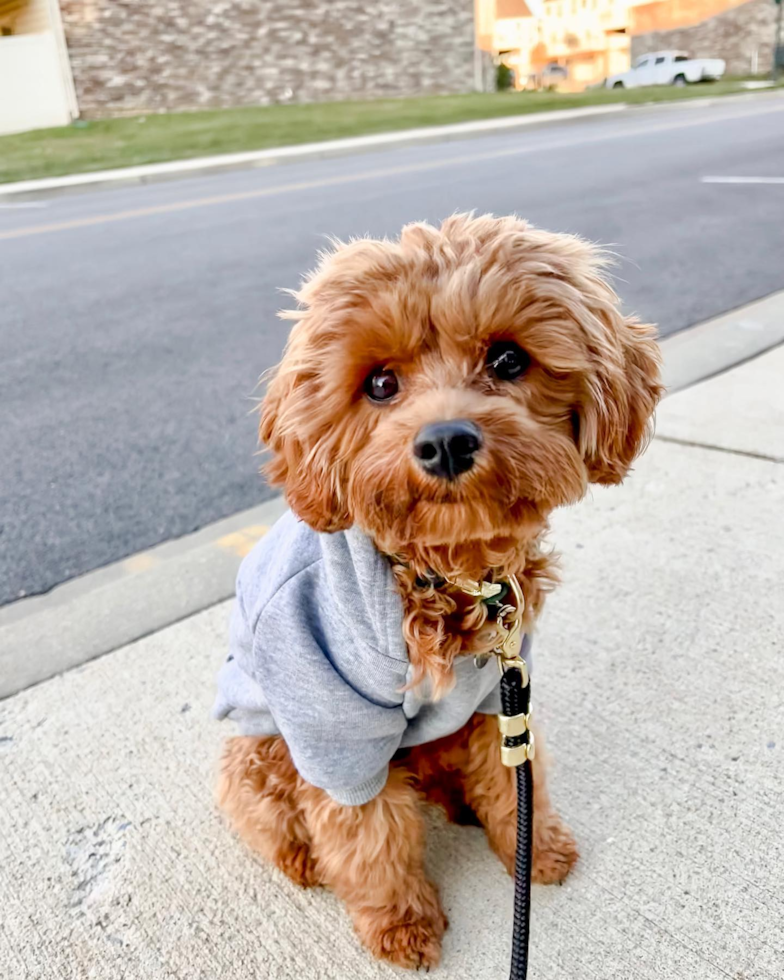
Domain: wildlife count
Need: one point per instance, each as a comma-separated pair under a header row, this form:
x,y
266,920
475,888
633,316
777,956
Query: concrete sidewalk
x,y
659,681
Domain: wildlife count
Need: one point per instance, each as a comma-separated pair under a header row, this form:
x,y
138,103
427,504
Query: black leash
x,y
517,750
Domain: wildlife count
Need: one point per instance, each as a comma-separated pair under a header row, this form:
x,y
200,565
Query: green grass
x,y
107,143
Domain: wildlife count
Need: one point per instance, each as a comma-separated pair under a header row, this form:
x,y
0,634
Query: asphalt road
x,y
131,346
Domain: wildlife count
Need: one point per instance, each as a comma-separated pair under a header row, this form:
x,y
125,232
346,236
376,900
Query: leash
x,y
517,750
517,744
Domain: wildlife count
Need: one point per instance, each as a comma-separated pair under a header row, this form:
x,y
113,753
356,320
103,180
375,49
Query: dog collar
x,y
507,616
487,591
491,593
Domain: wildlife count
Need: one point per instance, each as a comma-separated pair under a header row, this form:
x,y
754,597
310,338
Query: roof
x,y
505,9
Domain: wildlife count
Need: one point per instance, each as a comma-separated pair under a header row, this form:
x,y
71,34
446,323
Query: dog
x,y
439,396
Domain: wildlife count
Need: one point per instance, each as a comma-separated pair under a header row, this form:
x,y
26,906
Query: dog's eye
x,y
381,384
507,361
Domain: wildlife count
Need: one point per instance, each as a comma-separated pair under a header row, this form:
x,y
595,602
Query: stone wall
x,y
733,35
132,56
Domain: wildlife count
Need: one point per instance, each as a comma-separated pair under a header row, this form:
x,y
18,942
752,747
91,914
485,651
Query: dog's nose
x,y
447,449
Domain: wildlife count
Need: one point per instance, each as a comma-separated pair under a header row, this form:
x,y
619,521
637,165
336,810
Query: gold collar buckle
x,y
480,590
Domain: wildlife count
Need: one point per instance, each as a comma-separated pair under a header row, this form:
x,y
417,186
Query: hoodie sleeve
x,y
240,697
341,739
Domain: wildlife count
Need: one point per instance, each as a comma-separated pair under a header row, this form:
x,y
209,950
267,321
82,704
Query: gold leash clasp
x,y
508,655
511,641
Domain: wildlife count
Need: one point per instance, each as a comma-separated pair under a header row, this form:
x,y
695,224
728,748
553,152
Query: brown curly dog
x,y
514,332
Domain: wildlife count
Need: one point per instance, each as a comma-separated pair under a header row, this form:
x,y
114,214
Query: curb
x,y
173,169
105,609
714,346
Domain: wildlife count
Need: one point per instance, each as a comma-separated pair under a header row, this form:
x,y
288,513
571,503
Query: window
x,y
680,57
641,63
660,61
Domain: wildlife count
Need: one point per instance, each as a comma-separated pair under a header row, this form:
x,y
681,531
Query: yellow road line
x,y
422,167
204,202
241,542
140,563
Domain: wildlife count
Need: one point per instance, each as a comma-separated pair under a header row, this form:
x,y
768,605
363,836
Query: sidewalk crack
x,y
719,449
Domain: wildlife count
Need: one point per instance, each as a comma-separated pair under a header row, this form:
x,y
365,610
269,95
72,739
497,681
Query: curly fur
x,y
428,306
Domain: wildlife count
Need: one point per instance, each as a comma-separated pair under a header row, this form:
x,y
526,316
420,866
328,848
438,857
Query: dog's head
x,y
457,384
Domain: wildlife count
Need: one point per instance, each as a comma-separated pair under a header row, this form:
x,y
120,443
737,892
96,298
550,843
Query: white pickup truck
x,y
668,68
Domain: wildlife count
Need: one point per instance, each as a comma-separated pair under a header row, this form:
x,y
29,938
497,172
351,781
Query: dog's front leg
x,y
491,792
372,857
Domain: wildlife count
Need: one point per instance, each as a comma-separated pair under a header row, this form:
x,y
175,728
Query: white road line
x,y
742,180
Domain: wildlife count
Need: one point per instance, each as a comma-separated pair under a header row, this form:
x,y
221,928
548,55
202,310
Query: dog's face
x,y
456,385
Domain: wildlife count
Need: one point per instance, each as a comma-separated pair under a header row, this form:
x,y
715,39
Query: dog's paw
x,y
555,852
296,862
411,939
414,945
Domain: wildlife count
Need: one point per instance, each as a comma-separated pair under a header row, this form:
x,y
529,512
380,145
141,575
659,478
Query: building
x,y
509,30
134,56
587,37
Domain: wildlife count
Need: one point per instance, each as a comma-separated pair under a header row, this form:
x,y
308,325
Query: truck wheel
x,y
617,84
679,80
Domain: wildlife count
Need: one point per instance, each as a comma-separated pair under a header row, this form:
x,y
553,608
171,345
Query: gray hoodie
x,y
317,655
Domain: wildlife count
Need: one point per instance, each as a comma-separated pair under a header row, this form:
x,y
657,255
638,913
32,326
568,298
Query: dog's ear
x,y
311,483
616,418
